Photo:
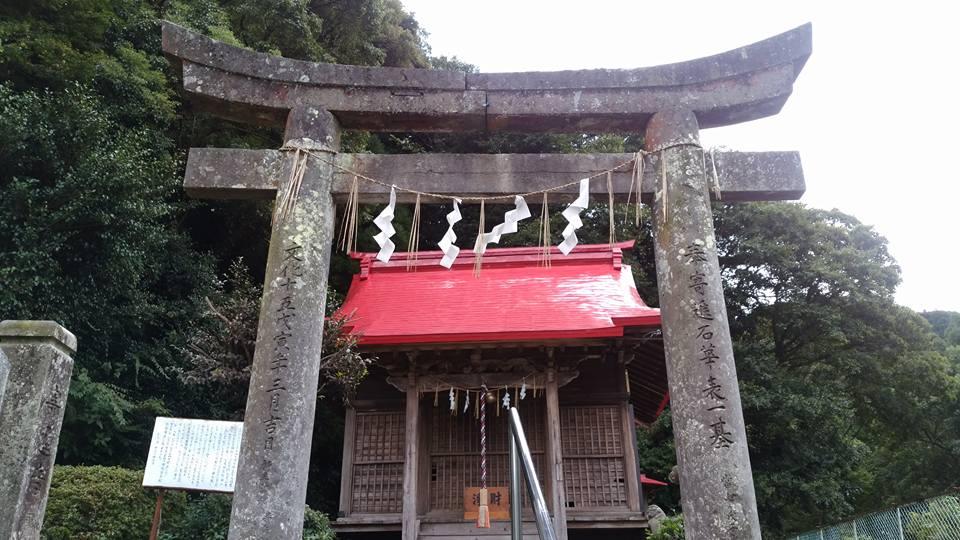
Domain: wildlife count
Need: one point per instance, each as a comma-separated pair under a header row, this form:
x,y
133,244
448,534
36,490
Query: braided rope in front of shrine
x,y
483,516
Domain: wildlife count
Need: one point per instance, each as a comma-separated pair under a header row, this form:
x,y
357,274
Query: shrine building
x,y
572,346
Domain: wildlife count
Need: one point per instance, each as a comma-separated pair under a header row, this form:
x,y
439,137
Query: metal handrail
x,y
520,458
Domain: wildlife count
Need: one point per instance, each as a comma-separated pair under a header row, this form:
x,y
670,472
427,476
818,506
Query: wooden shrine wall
x,y
595,435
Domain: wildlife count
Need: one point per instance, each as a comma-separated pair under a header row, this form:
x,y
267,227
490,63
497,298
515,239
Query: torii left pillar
x,y
271,486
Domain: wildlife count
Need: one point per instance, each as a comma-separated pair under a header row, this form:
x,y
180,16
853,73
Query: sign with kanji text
x,y
498,500
200,455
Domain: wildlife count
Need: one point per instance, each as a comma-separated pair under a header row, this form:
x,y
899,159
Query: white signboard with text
x,y
199,455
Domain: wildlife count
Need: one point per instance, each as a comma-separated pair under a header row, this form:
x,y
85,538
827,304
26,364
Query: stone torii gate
x,y
314,102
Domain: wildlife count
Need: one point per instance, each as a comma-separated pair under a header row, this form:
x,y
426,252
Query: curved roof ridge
x,y
513,256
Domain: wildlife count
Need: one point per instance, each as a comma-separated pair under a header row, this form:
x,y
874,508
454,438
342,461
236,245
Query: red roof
x,y
586,294
647,481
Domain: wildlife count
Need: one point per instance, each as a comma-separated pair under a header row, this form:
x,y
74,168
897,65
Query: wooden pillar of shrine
x,y
346,467
630,466
411,458
557,493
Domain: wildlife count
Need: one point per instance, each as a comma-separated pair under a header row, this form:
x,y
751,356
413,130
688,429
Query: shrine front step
x,y
499,530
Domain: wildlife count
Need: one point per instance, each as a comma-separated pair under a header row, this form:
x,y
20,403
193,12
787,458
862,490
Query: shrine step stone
x,y
499,530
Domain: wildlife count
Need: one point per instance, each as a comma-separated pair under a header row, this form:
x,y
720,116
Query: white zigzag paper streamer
x,y
385,223
509,225
572,215
450,251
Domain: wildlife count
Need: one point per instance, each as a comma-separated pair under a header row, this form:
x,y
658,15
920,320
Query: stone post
x,y
716,482
30,418
271,486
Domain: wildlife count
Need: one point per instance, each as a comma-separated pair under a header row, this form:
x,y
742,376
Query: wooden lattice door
x,y
455,451
594,472
378,463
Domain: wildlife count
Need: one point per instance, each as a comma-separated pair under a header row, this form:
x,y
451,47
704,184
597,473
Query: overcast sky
x,y
873,113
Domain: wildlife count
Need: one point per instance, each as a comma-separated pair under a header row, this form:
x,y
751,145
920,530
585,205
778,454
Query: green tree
x,y
849,402
96,231
88,238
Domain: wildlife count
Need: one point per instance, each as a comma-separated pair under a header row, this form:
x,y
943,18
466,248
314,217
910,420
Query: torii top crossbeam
x,y
736,86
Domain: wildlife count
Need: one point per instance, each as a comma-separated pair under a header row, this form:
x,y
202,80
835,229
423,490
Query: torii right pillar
x,y
716,482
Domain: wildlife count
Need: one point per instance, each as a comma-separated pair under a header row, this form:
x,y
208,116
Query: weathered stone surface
x,y
233,173
263,101
729,101
224,173
716,482
739,85
791,47
271,486
182,44
30,418
655,517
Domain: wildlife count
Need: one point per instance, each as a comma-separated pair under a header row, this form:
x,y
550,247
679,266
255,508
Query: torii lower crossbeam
x,y
227,173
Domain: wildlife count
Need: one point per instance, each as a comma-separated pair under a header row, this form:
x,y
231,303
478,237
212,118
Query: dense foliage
x,y
670,529
852,402
102,503
109,503
95,231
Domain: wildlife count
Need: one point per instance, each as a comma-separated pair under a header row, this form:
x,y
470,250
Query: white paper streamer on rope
x,y
385,223
509,225
572,215
450,251
506,399
523,390
453,401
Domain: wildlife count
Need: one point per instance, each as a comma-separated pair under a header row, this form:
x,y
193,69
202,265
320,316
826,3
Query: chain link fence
x,y
932,519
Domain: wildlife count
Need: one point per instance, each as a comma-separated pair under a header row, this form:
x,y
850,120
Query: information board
x,y
199,455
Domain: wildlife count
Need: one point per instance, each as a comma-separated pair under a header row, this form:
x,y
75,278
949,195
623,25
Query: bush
x,y
670,529
106,503
316,526
102,503
206,517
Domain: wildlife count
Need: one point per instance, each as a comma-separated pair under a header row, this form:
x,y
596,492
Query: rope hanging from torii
x,y
572,213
